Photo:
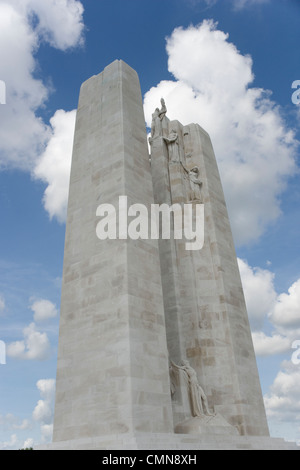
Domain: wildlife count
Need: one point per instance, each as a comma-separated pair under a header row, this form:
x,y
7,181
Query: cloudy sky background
x,y
230,69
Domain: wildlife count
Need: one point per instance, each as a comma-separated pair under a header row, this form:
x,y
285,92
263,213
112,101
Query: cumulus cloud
x,y
43,310
265,345
22,133
34,346
280,314
9,444
11,422
283,401
259,291
46,388
43,413
60,23
255,150
286,312
28,443
280,311
54,165
42,416
23,25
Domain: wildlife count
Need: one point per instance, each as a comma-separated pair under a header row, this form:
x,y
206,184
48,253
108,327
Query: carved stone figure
x,y
172,142
156,128
194,182
158,121
198,400
163,110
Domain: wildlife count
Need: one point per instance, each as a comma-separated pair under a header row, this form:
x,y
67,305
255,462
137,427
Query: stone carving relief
x,y
187,376
173,146
163,110
180,151
187,144
159,122
201,421
195,184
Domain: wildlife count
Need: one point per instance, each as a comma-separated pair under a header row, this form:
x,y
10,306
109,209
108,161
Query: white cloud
x,y
60,23
43,310
44,410
34,346
268,345
283,400
25,424
55,163
9,444
42,415
259,291
254,149
286,312
280,312
29,443
239,4
47,432
11,422
265,305
46,388
23,134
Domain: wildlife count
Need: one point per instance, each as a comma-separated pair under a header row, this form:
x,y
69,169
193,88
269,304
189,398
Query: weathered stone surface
x,y
178,442
112,360
206,317
155,349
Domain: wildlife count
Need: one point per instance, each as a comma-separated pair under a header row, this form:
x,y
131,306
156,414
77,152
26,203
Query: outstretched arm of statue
x,y
184,168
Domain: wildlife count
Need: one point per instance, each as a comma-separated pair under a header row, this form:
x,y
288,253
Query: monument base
x,y
177,442
207,425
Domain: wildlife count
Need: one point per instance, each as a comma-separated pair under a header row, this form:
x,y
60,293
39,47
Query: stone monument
x,y
155,349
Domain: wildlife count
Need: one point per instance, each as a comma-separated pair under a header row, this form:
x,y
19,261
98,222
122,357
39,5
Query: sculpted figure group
x,y
158,129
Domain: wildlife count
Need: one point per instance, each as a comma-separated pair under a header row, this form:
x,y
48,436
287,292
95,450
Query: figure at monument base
x,y
155,348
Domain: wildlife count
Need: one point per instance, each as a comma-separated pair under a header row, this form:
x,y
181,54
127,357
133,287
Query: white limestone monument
x,y
155,348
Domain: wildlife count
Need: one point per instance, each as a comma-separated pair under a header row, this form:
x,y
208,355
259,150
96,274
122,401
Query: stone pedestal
x,y
181,443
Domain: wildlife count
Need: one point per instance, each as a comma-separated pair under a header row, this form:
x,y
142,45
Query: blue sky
x,y
228,66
